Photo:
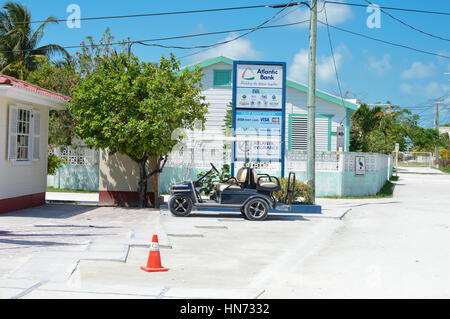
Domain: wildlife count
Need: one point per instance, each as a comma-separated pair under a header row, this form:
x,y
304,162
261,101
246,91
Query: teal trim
x,y
222,78
289,83
209,62
347,130
326,96
290,133
330,116
333,133
329,134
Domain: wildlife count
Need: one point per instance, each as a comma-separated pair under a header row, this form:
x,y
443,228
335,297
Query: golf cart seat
x,y
241,180
222,186
272,185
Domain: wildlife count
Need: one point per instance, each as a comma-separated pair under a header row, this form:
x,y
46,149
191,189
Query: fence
x,y
81,171
336,172
415,159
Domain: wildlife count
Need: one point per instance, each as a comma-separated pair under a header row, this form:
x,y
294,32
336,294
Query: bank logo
x,y
248,74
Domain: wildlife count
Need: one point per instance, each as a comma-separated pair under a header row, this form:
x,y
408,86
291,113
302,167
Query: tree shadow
x,y
51,211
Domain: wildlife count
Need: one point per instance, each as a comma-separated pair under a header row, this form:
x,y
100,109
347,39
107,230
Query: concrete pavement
x,y
389,248
75,251
358,248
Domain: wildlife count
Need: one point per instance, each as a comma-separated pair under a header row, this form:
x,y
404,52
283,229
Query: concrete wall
x,y
335,172
118,180
30,178
75,177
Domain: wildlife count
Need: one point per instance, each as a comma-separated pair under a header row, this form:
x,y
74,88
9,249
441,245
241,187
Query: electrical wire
x,y
390,8
408,25
176,37
165,13
222,42
334,60
387,42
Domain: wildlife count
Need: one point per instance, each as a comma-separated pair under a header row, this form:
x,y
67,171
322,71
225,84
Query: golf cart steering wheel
x,y
214,168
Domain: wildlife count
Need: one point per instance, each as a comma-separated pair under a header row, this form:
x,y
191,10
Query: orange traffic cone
x,y
154,258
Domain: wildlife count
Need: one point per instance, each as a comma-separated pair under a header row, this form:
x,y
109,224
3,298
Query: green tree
x,y
133,107
19,43
64,76
364,121
376,130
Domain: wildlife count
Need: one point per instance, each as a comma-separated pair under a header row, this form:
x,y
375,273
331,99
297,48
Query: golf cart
x,y
249,192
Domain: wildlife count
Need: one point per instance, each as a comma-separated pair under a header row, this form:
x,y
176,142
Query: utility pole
x,y
128,48
436,149
311,164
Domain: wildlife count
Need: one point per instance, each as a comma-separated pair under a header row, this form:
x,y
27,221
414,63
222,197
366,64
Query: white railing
x,y
81,155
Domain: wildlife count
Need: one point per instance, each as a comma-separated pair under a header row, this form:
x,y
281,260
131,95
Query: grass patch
x,y
445,169
64,190
387,191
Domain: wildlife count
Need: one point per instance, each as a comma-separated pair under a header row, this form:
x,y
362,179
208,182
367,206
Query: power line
x,y
408,25
387,42
390,8
334,61
226,41
170,13
176,37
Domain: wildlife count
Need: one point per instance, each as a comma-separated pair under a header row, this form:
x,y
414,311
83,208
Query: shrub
x,y
207,187
53,163
302,192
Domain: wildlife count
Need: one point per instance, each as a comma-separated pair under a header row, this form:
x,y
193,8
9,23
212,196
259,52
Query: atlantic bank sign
x,y
260,76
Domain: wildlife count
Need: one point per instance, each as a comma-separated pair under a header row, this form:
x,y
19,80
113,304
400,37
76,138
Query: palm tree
x,y
365,120
19,43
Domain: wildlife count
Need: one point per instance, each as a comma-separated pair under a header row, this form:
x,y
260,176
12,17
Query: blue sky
x,y
370,71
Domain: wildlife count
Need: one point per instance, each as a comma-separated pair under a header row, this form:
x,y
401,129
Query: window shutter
x,y
222,77
299,133
36,134
322,134
12,136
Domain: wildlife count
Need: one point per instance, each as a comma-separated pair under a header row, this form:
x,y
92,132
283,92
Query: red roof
x,y
9,80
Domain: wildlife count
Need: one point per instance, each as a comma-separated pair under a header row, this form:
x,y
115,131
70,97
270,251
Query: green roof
x,y
290,83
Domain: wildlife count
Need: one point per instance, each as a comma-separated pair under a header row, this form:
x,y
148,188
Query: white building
x,y
331,111
24,118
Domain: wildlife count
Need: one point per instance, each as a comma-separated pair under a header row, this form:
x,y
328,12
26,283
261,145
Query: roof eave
x,y
293,84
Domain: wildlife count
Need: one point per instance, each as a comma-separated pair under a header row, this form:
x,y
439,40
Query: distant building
x,y
444,129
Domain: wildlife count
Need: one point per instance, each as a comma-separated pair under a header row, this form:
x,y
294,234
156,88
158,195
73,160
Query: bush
x,y
53,163
207,187
302,192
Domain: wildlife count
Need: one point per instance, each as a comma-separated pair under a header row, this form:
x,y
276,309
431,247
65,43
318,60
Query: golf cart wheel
x,y
180,205
256,209
243,212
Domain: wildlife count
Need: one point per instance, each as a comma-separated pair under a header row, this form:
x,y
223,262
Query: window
x,y
24,134
222,77
298,132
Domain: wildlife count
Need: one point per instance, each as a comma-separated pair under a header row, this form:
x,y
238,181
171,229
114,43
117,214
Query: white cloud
x,y
436,89
382,66
240,49
335,13
418,70
431,89
325,71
